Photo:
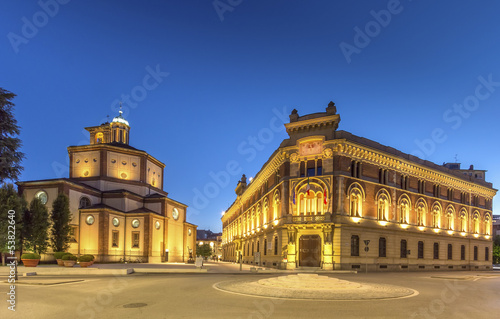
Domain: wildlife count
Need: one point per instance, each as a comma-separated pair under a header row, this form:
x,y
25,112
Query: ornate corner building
x,y
327,198
119,209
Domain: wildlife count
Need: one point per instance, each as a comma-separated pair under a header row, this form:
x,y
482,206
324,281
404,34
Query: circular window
x,y
175,214
89,220
189,231
136,223
157,225
116,222
42,196
124,175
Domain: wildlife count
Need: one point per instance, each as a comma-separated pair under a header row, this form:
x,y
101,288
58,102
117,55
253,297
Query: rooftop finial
x,y
121,112
331,109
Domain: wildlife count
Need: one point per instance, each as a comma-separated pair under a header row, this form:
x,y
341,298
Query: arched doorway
x,y
310,251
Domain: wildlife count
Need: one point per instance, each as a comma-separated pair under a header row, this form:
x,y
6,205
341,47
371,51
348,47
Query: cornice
x,y
384,160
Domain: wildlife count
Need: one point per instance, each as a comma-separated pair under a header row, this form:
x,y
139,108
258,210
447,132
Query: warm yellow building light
x,y
265,226
487,236
383,222
356,219
476,235
421,228
436,230
404,226
276,222
450,232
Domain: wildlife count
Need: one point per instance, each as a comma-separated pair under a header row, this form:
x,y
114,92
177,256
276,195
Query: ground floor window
x,y
420,249
276,245
354,245
436,250
265,247
404,249
115,238
382,247
462,252
450,251
135,239
487,253
475,252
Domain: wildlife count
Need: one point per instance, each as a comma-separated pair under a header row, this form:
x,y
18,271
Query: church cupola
x,y
120,129
115,132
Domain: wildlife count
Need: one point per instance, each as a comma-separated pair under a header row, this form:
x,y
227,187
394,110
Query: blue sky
x,y
227,72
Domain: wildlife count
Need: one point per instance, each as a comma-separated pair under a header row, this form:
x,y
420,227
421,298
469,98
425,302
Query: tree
x,y
12,208
204,250
37,226
61,217
496,250
10,157
496,254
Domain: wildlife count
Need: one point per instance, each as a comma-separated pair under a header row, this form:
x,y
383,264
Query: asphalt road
x,y
192,296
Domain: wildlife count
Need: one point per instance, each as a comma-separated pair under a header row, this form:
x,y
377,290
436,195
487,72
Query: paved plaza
x,y
188,295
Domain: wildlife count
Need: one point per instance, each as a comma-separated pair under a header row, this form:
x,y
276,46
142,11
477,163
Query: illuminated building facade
x,y
119,209
325,194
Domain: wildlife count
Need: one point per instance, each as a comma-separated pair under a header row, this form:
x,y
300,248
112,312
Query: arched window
x,y
404,211
259,216
450,216
252,217
463,220
475,219
319,204
421,212
84,202
276,203
356,203
487,224
99,138
266,212
436,216
383,206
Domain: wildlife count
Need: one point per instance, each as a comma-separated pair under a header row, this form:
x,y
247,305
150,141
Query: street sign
x,y
367,242
367,248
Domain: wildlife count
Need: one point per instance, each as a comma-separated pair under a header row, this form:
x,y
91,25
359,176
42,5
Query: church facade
x,y
332,200
119,209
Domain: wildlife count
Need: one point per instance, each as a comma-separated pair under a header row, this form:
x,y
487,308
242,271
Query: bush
x,y
86,258
91,256
60,254
30,256
69,257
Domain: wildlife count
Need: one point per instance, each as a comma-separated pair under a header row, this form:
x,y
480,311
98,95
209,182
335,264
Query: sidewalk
x,y
119,269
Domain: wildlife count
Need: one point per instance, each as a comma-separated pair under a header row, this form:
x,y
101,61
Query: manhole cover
x,y
135,305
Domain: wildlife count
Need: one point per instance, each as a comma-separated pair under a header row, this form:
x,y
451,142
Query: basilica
x,y
119,209
328,199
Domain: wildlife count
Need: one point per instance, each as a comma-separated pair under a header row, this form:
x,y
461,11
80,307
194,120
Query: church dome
x,y
120,119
